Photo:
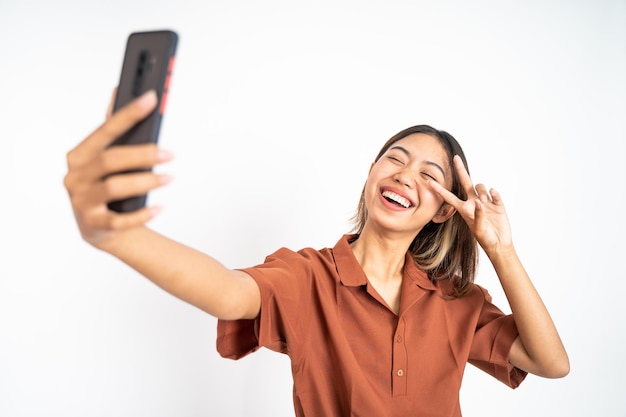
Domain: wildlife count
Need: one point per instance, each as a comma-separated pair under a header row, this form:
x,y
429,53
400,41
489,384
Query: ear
x,y
445,212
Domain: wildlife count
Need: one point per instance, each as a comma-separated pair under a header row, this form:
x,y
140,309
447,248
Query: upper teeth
x,y
397,198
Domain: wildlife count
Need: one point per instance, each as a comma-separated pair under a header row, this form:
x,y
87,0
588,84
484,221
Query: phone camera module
x,y
145,63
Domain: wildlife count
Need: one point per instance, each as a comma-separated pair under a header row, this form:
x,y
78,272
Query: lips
x,y
397,199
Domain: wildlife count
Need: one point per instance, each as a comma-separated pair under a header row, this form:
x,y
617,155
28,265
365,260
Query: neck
x,y
381,257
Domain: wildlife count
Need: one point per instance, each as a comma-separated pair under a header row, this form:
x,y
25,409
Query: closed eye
x,y
393,158
432,177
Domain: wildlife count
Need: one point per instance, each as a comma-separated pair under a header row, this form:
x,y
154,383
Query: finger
x,y
124,158
118,187
136,218
447,196
115,188
479,214
482,193
111,104
113,160
102,219
496,197
119,123
481,189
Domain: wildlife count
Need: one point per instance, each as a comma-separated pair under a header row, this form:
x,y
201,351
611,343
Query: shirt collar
x,y
352,275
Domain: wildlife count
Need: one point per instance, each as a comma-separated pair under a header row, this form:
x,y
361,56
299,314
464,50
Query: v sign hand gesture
x,y
483,211
538,349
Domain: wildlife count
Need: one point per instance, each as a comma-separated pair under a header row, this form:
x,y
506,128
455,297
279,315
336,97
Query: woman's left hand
x,y
538,348
483,211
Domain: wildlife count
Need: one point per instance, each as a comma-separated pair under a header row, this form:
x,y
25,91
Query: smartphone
x,y
148,64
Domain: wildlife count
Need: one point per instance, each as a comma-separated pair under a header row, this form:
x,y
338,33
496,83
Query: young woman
x,y
383,323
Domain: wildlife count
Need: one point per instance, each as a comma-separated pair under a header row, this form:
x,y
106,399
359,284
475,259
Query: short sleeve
x,y
492,343
280,279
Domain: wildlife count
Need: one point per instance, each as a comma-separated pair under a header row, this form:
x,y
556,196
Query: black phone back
x,y
148,64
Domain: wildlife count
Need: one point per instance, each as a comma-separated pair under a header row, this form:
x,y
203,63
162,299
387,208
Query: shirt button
x,y
400,372
399,339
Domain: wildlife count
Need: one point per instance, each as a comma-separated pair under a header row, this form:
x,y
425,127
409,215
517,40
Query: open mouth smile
x,y
396,199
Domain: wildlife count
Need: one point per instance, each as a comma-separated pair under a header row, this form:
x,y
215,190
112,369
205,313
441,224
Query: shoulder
x,y
478,297
306,256
479,293
470,304
288,263
474,295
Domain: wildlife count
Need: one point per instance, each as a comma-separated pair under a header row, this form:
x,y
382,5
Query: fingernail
x,y
163,155
154,210
165,178
147,99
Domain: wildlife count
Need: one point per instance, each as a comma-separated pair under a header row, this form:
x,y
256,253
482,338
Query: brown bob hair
x,y
445,250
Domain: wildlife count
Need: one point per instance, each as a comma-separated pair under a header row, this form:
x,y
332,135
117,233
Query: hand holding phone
x,y
148,64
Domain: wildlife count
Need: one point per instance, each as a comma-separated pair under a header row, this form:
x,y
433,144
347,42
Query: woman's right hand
x,y
93,178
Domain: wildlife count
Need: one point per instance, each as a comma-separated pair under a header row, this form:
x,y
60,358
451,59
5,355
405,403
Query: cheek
x,y
371,191
374,177
430,197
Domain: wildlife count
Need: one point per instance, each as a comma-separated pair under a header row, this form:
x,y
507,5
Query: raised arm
x,y
93,179
538,349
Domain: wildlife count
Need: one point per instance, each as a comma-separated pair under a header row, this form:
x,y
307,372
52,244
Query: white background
x,y
276,111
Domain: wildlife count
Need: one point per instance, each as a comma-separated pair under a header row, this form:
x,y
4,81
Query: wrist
x,y
120,242
502,255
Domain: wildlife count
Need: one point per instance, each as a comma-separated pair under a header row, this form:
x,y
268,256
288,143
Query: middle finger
x,y
464,178
125,158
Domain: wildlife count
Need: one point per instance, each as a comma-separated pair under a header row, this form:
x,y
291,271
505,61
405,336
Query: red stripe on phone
x,y
163,100
166,86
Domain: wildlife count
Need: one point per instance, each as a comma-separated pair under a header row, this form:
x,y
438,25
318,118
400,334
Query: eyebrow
x,y
407,153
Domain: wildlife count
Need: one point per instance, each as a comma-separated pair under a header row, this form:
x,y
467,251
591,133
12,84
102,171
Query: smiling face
x,y
397,195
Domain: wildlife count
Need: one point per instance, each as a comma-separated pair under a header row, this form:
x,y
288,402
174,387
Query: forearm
x,y
542,351
99,173
188,274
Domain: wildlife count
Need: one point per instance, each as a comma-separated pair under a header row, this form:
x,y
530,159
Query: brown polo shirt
x,y
351,355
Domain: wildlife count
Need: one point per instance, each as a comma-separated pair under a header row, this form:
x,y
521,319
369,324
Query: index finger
x,y
120,122
447,195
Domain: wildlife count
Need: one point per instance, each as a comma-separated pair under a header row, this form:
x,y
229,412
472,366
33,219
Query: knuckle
x,y
110,186
83,199
68,182
78,200
106,161
90,220
109,129
69,157
72,182
72,158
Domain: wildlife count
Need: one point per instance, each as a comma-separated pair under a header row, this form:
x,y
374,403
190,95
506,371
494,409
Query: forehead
x,y
423,146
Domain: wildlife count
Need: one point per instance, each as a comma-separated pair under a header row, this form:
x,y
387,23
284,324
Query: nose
x,y
404,178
